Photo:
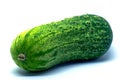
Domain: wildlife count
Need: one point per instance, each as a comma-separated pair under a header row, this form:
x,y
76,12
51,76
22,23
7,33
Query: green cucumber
x,y
82,37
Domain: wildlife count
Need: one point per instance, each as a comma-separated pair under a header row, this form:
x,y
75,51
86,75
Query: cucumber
x,y
83,37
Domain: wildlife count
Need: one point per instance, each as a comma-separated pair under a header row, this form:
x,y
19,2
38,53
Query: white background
x,y
19,15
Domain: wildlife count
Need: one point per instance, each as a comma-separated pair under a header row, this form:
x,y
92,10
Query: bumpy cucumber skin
x,y
82,37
